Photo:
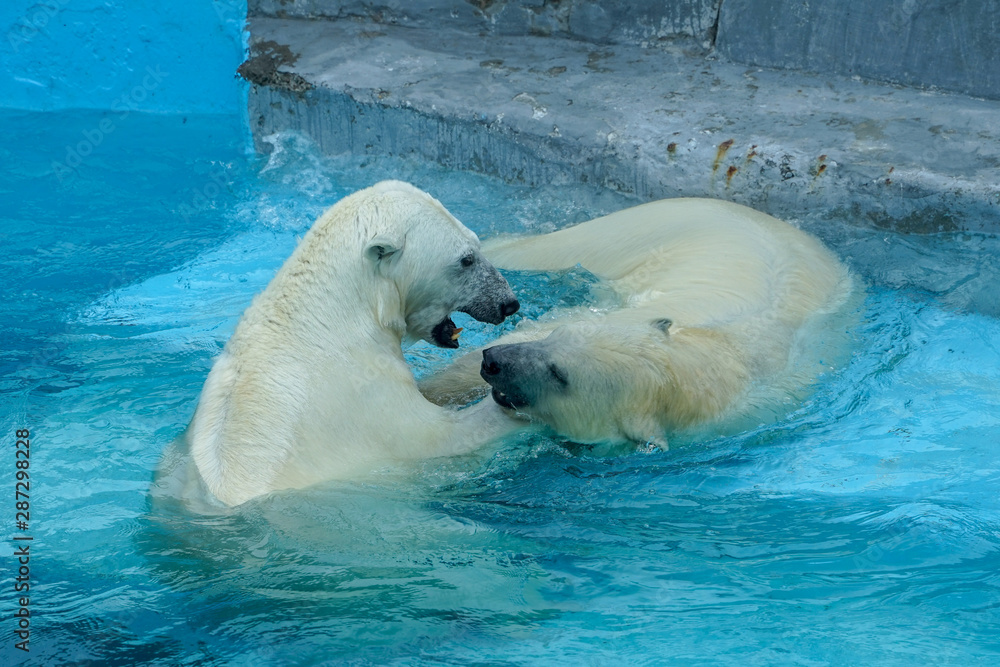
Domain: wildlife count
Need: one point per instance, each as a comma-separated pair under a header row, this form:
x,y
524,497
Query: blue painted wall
x,y
178,56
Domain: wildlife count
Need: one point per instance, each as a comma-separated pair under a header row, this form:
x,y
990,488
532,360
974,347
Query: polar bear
x,y
313,385
711,298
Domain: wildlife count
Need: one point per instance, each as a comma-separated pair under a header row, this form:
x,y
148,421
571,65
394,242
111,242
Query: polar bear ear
x,y
382,248
663,324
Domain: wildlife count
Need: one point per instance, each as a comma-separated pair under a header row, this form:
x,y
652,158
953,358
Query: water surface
x,y
863,527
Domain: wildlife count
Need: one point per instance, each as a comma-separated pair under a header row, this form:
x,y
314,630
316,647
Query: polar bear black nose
x,y
510,307
490,366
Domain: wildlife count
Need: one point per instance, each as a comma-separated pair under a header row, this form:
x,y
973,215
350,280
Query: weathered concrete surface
x,y
651,122
951,44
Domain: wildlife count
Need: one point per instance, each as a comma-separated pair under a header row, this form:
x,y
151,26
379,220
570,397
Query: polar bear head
x,y
433,261
593,383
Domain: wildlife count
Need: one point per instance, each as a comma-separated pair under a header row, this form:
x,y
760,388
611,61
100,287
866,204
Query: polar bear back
x,y
702,261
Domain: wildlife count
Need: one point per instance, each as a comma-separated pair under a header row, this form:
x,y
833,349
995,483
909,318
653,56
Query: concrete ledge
x,y
649,122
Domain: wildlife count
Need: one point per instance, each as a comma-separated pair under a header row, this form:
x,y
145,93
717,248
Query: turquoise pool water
x,y
862,528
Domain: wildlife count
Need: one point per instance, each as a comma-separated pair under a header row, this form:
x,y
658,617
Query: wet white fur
x,y
312,385
738,286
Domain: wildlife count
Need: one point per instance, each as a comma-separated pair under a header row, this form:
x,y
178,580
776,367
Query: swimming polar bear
x,y
712,297
312,385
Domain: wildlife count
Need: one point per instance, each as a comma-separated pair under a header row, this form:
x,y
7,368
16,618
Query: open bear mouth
x,y
512,402
445,334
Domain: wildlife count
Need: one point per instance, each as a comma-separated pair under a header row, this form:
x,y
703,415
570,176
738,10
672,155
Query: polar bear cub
x,y
312,385
712,296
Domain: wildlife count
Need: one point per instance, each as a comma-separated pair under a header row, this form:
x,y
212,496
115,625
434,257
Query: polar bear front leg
x,y
481,424
458,384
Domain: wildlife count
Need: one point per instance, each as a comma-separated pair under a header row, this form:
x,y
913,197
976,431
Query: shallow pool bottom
x,y
861,528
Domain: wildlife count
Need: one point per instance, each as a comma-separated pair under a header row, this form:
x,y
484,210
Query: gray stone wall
x,y
947,44
598,21
950,44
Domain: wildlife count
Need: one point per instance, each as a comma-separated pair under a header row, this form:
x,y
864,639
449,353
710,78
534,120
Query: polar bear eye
x,y
558,374
468,260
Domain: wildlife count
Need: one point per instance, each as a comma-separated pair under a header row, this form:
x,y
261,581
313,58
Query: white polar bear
x,y
712,296
312,385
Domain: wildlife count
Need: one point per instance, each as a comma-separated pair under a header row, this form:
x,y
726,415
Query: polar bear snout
x,y
492,315
493,300
500,369
491,367
510,307
521,373
469,285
